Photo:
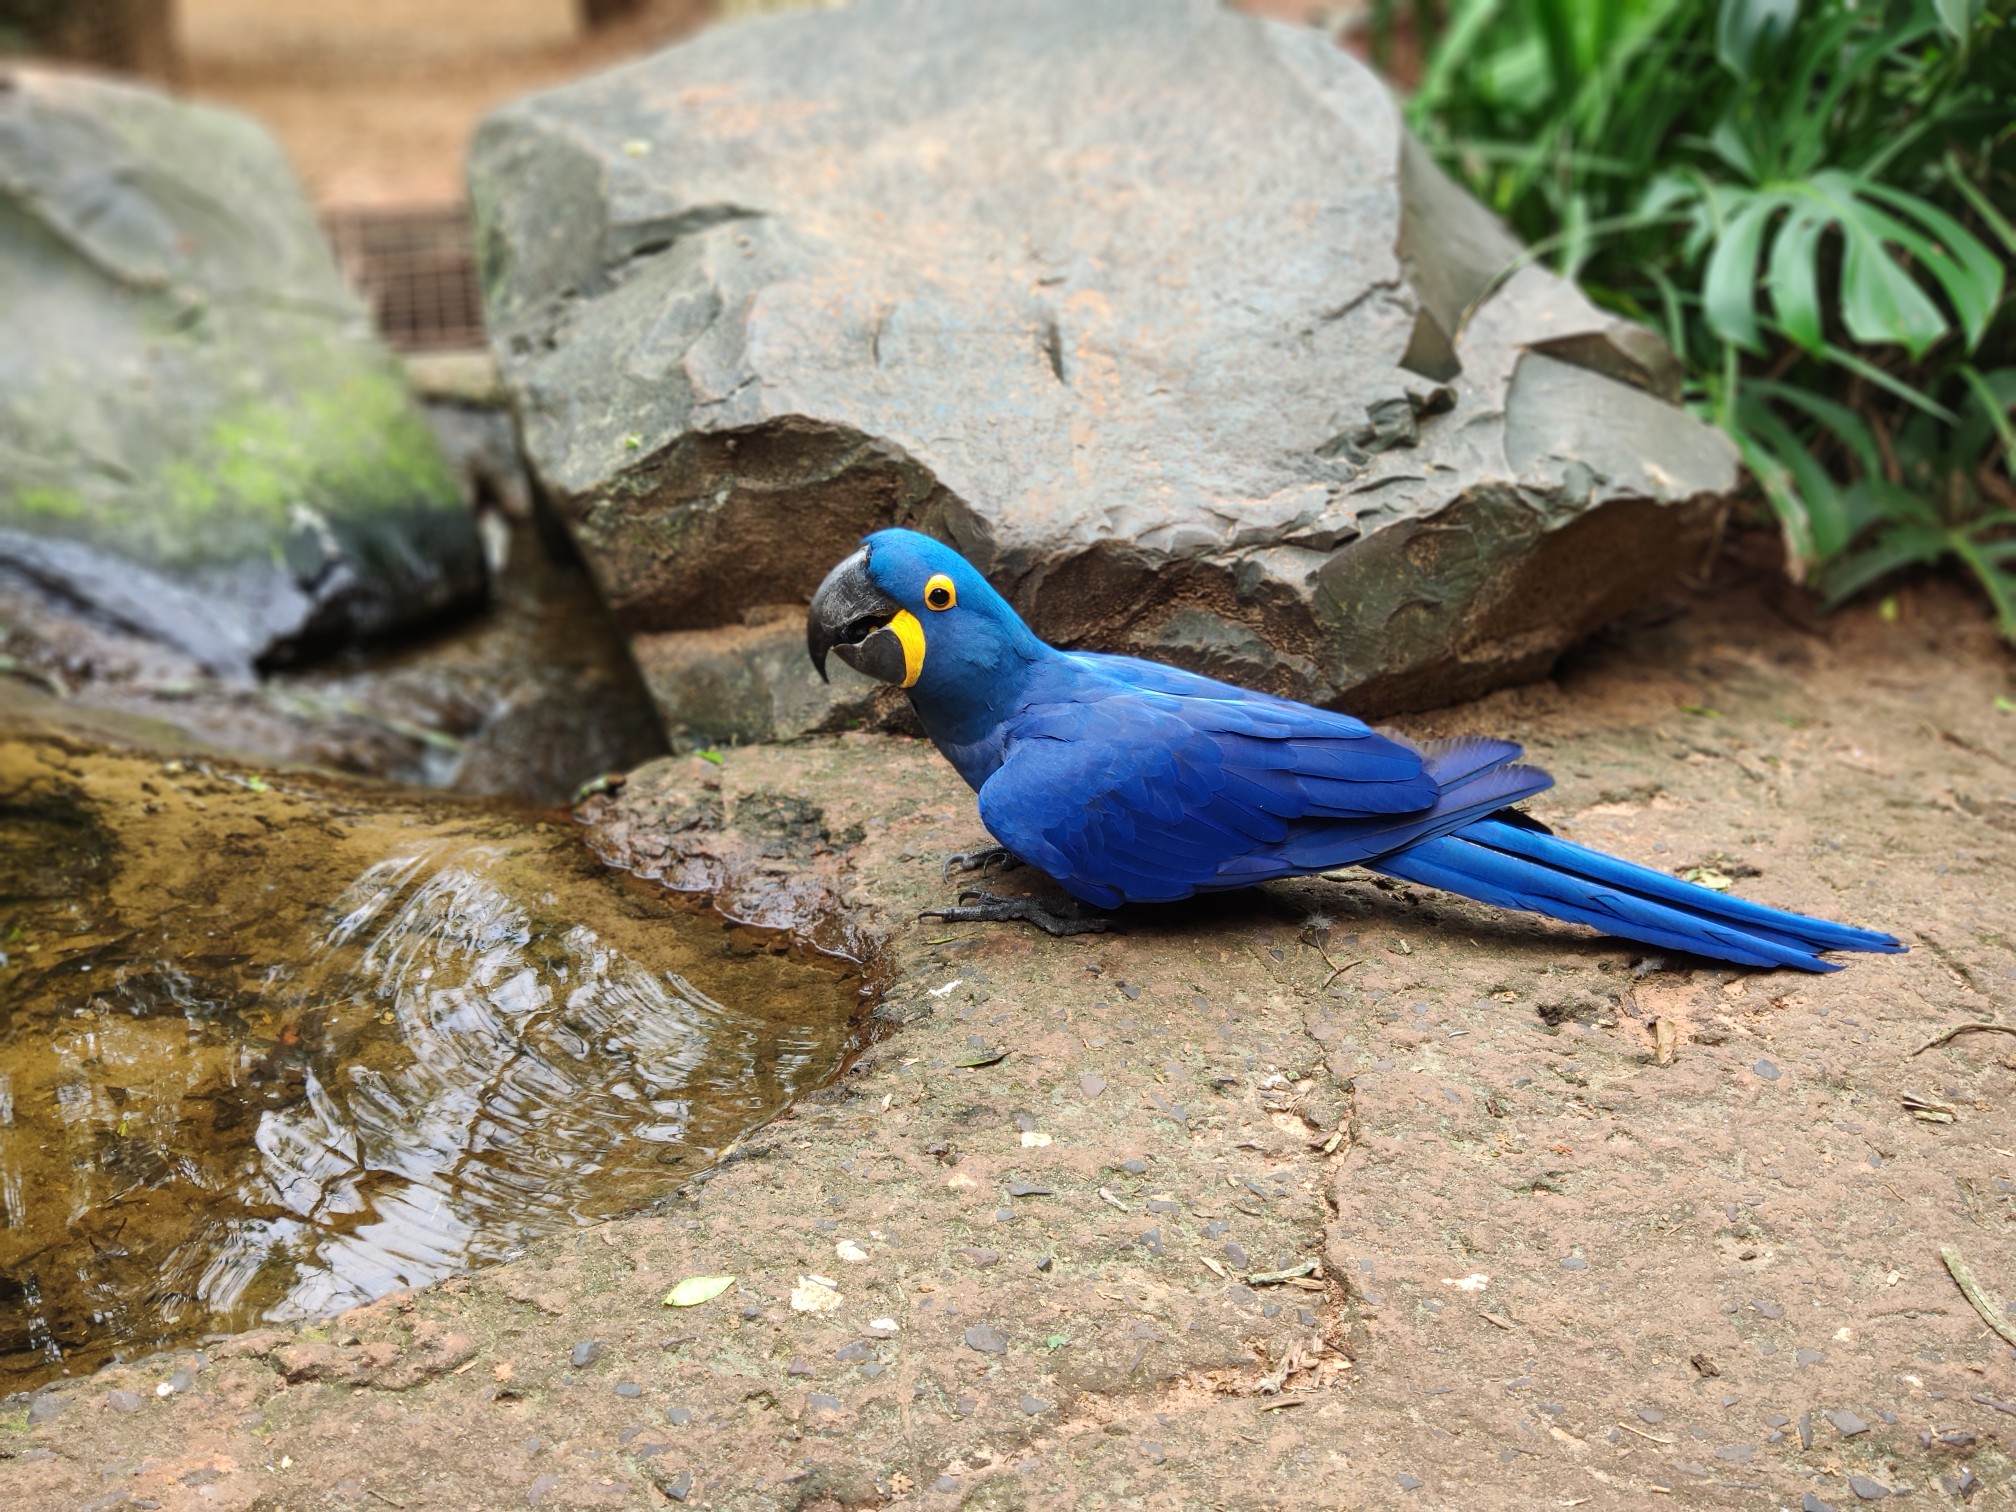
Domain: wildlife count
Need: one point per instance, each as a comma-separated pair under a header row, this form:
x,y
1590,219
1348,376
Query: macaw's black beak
x,y
850,617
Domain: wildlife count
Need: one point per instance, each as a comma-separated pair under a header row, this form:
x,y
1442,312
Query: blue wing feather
x,y
1133,786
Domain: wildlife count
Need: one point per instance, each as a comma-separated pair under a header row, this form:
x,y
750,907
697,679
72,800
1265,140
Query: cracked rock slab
x,y
1156,313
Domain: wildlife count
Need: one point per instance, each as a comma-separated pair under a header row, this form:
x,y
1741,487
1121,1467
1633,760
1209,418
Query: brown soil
x,y
1705,1283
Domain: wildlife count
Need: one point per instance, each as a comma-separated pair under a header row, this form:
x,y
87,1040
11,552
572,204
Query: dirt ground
x,y
392,130
1541,1264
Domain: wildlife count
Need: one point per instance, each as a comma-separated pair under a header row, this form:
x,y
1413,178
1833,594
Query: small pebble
x,y
629,1389
1151,1241
1767,1070
1805,1430
1846,1423
587,1352
1811,1503
123,1401
1154,1453
1775,1420
798,1368
872,1369
853,1354
1736,1454
1091,1085
1867,1489
986,1339
1236,1253
979,1256
1028,1189
1574,1262
945,1485
1809,1356
1134,1167
45,1407
1033,1406
679,1417
1651,1415
1045,1263
819,1401
678,1486
966,1406
1004,1215
1407,1482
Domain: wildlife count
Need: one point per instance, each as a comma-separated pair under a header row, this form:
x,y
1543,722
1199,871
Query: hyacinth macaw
x,y
1132,782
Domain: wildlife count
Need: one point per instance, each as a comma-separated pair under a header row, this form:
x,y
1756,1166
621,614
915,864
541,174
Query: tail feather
x,y
1548,850
1512,866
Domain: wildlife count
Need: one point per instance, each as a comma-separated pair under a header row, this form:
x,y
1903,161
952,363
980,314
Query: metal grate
x,y
126,36
416,269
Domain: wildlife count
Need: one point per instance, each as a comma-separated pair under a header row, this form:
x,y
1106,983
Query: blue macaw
x,y
1131,782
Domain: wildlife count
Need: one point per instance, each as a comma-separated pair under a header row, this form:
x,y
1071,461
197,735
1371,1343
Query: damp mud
x,y
272,1046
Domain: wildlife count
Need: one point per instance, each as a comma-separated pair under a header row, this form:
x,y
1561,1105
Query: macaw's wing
x,y
1140,795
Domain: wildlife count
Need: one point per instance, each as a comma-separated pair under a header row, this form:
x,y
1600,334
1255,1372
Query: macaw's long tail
x,y
1513,865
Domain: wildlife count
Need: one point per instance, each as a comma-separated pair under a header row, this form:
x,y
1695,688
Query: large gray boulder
x,y
199,438
1155,311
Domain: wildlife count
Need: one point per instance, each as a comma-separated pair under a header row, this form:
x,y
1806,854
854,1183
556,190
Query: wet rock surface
x,y
201,445
1417,1126
1158,316
529,697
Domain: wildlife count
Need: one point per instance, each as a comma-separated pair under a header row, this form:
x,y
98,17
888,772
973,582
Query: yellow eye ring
x,y
939,592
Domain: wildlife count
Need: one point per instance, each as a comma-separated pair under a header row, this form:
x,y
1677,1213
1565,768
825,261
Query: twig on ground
x,y
1978,1027
1654,1437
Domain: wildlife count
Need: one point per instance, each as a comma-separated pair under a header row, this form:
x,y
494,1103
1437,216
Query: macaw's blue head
x,y
910,611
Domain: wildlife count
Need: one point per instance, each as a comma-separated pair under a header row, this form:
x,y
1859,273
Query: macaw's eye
x,y
939,592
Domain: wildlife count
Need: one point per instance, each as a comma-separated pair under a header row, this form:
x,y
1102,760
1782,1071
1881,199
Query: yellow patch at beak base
x,y
911,634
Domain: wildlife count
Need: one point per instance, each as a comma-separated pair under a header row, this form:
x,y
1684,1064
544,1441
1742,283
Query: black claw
x,y
980,860
988,908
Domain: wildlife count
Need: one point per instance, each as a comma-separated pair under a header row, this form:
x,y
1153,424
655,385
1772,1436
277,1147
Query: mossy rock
x,y
199,436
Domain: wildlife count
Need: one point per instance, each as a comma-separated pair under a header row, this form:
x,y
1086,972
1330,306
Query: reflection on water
x,y
238,1113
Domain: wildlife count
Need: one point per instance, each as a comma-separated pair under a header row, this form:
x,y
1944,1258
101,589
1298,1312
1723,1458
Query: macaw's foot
x,y
982,860
1058,917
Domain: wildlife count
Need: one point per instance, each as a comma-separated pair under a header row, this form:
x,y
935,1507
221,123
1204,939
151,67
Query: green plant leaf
x,y
1983,206
1892,551
1729,288
1795,277
1742,26
1959,16
1970,274
1827,526
1880,300
1782,493
1889,382
1994,396
1847,426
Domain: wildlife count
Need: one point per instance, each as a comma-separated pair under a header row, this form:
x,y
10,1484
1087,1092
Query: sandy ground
x,y
379,128
1542,1265
389,128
